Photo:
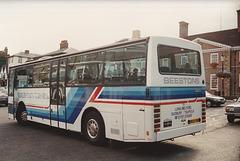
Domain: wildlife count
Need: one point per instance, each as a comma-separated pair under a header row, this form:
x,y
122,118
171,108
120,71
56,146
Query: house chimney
x,y
63,44
136,34
183,29
238,20
26,52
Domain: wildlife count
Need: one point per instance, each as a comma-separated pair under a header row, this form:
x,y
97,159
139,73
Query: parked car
x,y
3,98
4,90
214,100
233,111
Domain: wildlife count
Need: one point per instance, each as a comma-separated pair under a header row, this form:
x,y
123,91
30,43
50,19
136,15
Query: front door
x,y
58,94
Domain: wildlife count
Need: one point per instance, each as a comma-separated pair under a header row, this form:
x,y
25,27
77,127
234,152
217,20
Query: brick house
x,y
214,45
64,49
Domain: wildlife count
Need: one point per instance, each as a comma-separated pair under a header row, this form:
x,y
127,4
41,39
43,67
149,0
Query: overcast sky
x,y
39,26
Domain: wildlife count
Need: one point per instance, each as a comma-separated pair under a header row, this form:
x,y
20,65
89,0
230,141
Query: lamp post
x,y
234,73
222,60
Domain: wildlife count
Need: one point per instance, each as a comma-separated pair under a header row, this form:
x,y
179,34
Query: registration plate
x,y
194,121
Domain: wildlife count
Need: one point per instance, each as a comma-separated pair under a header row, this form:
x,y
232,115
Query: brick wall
x,y
209,70
237,68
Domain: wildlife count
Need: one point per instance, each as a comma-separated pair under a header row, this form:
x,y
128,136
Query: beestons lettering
x,y
174,80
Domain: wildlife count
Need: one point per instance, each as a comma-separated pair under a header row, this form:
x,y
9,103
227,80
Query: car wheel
x,y
94,130
230,118
209,104
21,116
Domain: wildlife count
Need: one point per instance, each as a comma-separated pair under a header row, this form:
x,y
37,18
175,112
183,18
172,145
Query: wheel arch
x,y
21,104
87,111
21,114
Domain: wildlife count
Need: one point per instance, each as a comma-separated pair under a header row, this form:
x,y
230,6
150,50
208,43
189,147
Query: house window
x,y
184,60
20,59
214,58
165,62
213,82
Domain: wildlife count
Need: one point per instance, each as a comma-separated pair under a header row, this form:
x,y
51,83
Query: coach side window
x,y
11,82
85,69
41,73
176,60
21,79
24,76
125,66
29,76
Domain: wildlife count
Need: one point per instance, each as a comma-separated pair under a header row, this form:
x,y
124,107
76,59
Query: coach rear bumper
x,y
173,133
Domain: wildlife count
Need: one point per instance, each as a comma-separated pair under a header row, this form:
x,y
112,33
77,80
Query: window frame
x,y
212,59
100,50
41,74
211,82
176,73
19,59
103,83
182,58
22,82
84,63
165,62
11,82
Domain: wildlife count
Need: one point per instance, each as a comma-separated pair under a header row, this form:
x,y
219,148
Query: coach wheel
x,y
209,104
21,116
230,118
94,129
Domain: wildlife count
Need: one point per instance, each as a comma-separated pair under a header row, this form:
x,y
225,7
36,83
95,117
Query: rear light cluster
x,y
157,120
204,111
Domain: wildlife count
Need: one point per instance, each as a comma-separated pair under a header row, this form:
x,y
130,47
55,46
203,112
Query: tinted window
x,y
175,60
22,78
11,83
124,66
85,69
41,74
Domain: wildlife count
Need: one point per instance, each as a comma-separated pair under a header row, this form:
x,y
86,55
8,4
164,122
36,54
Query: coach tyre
x,y
94,129
21,115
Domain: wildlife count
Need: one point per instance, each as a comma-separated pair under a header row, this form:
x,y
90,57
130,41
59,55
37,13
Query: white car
x,y
4,90
3,98
233,111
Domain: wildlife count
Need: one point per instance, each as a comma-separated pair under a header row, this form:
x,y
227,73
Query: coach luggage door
x,y
58,94
133,119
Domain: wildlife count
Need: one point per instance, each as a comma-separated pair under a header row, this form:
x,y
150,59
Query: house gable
x,y
211,46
